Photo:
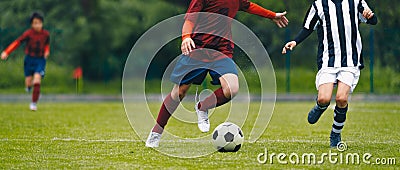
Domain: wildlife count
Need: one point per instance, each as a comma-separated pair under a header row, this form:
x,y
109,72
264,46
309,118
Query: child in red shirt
x,y
37,50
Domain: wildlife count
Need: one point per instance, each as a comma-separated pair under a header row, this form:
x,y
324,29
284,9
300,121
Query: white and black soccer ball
x,y
227,137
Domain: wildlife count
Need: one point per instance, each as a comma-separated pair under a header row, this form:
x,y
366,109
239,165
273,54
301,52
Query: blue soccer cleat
x,y
315,113
335,139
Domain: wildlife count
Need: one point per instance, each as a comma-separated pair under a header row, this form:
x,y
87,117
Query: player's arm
x,y
14,45
303,34
310,22
278,18
47,48
366,15
188,44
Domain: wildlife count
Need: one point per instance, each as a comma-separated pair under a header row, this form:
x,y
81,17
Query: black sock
x,y
323,107
339,119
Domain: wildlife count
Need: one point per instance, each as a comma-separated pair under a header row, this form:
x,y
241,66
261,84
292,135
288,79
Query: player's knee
x,y
36,82
341,100
324,100
178,93
234,91
231,91
182,93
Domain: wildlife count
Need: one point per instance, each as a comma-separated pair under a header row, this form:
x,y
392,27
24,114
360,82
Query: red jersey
x,y
37,43
203,28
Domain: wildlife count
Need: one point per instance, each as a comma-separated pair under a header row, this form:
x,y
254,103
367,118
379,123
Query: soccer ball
x,y
227,137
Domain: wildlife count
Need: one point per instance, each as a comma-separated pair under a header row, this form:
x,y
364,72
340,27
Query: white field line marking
x,y
187,140
70,140
320,141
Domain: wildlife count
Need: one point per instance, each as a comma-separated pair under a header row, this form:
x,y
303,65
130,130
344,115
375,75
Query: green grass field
x,y
98,135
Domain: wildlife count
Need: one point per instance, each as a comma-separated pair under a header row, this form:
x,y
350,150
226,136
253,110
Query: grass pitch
x,y
98,135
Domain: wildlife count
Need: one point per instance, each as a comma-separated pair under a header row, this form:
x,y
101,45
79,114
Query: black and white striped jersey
x,y
337,22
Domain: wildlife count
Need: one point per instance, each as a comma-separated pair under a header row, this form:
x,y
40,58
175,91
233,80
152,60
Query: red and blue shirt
x,y
37,43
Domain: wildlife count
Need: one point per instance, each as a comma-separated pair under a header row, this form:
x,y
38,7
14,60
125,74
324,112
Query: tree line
x,y
99,34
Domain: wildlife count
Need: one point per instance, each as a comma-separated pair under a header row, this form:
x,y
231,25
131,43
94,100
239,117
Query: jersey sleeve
x,y
255,9
310,23
361,7
187,29
14,45
191,17
312,19
47,44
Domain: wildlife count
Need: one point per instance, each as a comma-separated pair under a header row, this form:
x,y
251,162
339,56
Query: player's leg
x,y
223,72
324,82
229,89
347,81
323,101
340,112
170,103
37,78
39,67
28,72
28,83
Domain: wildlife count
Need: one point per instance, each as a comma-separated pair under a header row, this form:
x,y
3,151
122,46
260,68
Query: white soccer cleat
x,y
33,106
202,119
153,140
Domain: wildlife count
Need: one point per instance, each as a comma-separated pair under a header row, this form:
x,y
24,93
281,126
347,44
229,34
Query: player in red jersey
x,y
207,48
37,50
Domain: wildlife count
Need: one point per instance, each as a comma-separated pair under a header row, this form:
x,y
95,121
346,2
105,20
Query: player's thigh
x,y
325,92
324,81
349,78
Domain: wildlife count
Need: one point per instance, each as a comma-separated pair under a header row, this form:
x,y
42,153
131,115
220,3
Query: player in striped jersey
x,y
339,54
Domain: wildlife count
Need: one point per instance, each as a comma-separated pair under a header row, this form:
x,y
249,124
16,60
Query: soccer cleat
x,y
202,119
335,138
33,106
314,114
153,140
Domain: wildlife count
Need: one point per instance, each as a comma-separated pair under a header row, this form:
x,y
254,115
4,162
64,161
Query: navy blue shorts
x,y
34,65
191,71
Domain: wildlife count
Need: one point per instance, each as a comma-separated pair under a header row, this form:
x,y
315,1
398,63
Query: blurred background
x,y
94,37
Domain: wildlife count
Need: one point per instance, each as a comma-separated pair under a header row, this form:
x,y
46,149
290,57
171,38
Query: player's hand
x,y
187,46
367,13
4,55
281,20
46,55
289,46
